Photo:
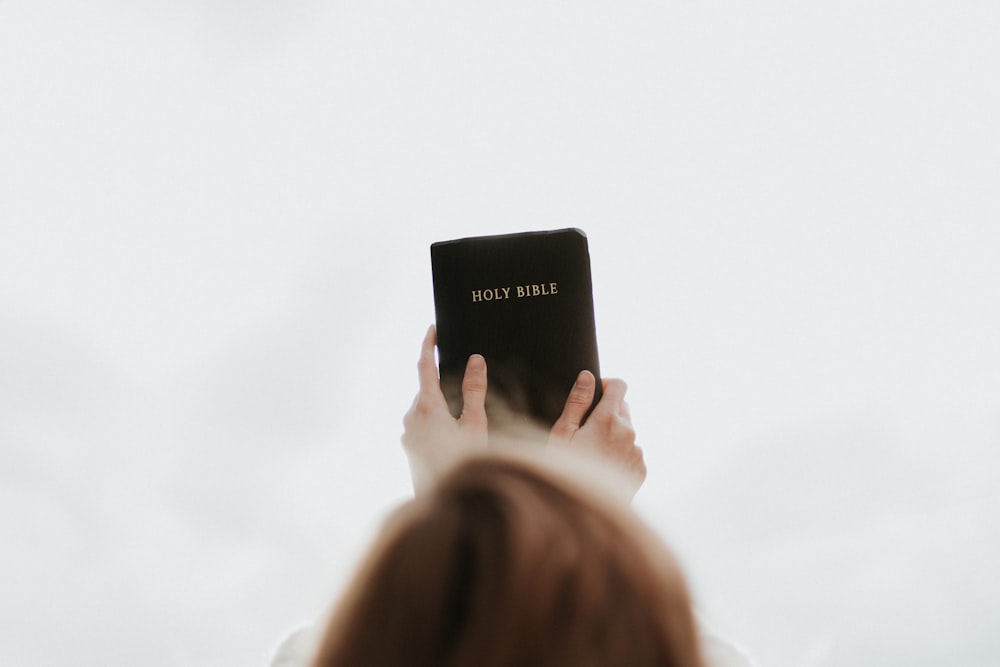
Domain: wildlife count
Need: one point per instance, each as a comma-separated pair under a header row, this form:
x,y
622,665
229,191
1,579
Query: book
x,y
525,302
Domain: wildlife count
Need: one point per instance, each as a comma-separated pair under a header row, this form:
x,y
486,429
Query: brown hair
x,y
507,563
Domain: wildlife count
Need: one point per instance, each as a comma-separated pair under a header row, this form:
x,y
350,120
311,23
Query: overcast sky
x,y
214,279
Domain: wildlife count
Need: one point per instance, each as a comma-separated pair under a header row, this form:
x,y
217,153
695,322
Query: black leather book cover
x,y
525,302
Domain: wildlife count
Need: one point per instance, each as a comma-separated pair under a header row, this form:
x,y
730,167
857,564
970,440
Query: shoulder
x,y
720,652
297,649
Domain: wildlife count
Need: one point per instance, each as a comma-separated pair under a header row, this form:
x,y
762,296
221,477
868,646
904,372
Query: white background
x,y
214,278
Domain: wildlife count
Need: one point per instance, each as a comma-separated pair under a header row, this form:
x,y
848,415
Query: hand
x,y
608,431
432,438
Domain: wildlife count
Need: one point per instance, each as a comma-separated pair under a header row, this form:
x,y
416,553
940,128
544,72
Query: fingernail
x,y
584,380
477,362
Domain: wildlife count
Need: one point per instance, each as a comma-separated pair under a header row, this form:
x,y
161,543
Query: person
x,y
503,562
514,553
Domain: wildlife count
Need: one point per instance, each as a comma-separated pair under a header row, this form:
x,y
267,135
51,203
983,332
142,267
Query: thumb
x,y
577,403
474,391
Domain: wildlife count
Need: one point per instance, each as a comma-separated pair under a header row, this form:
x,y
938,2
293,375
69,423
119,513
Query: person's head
x,y
505,562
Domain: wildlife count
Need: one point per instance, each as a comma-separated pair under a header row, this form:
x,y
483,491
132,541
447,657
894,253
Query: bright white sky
x,y
214,278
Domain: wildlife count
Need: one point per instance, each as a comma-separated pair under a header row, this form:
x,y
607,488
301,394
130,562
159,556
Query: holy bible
x,y
525,302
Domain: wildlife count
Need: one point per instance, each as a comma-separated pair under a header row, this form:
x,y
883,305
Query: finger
x,y
614,396
577,403
474,390
638,461
427,366
638,467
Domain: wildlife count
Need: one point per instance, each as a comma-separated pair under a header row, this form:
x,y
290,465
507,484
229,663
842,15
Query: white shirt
x,y
298,649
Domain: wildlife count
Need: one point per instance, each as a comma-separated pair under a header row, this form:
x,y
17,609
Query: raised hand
x,y
432,438
608,430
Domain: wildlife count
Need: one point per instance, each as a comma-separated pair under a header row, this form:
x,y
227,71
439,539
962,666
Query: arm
x,y
433,439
